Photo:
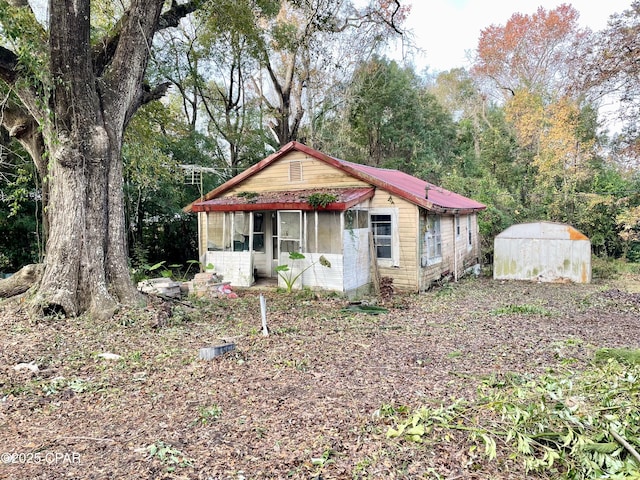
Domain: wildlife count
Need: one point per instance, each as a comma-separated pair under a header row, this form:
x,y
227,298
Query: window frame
x,y
433,238
394,261
376,236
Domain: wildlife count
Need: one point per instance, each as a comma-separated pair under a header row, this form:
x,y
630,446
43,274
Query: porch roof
x,y
286,200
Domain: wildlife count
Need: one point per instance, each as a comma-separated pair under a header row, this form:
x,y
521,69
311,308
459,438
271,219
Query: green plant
x,y
324,460
569,425
250,197
321,199
525,309
604,268
144,270
209,414
168,455
628,356
287,274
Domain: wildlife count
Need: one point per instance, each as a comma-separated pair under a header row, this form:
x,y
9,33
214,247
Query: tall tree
x,y
396,122
307,44
74,96
611,73
537,52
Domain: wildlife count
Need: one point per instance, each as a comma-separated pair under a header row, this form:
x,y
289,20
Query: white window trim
x,y
436,259
394,261
469,232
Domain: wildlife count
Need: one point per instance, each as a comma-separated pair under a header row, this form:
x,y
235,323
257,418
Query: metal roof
x,y
542,231
403,182
412,189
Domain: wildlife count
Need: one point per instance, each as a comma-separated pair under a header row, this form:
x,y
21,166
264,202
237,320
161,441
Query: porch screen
x,y
215,231
241,231
323,232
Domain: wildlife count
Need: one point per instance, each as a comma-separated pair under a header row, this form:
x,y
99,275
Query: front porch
x,y
244,246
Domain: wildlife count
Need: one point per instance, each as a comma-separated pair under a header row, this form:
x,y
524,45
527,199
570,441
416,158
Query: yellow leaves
x,y
629,220
526,113
551,132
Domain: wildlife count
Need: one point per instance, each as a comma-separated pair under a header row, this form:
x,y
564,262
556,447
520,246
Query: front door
x,y
289,232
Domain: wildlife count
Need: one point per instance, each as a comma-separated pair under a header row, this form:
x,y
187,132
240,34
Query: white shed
x,y
543,251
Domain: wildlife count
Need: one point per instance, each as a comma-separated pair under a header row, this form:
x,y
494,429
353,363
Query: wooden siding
x,y
315,174
405,274
456,256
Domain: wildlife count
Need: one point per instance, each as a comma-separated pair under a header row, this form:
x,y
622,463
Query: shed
x,y
542,251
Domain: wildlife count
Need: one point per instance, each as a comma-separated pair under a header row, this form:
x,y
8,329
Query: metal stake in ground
x,y
263,310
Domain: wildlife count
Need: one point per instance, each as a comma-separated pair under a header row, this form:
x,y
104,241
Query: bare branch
x,y
172,17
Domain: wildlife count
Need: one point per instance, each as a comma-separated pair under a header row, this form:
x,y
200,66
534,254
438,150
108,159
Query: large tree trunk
x,y
86,263
76,112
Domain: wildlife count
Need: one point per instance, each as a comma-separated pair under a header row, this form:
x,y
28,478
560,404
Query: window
x,y
433,240
355,219
457,227
323,234
381,228
469,233
258,231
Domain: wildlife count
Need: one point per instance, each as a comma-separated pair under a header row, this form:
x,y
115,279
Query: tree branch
x,y
172,17
105,49
147,95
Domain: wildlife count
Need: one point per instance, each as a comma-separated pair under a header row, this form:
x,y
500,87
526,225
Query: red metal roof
x,y
288,200
403,182
395,182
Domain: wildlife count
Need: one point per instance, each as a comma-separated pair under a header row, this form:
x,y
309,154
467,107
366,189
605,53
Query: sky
x,y
448,29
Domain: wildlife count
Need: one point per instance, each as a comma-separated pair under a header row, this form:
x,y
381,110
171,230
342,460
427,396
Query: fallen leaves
x,y
296,404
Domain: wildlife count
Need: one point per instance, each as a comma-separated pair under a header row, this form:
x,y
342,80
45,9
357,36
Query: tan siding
x,y
315,174
406,276
447,233
453,247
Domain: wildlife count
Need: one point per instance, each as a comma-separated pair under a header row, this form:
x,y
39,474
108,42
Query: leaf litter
x,y
312,400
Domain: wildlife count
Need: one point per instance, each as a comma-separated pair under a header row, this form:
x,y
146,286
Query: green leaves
x,y
289,276
25,37
572,425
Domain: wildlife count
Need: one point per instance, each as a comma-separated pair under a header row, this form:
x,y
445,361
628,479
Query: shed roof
x,y
542,231
412,189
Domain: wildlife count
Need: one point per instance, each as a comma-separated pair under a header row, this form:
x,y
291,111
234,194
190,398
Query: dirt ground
x,y
302,403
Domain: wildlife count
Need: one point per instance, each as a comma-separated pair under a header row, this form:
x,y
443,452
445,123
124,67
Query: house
x,y
365,222
542,251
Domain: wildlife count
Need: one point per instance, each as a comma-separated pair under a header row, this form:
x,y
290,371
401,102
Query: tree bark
x,y
21,281
76,112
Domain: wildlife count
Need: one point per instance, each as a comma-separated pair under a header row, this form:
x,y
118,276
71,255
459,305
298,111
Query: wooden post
x,y
375,274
